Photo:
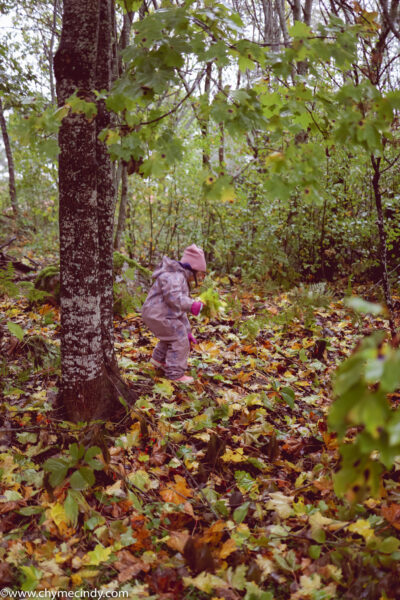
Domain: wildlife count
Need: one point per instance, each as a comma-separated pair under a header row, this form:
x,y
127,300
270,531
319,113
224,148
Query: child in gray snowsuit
x,y
165,308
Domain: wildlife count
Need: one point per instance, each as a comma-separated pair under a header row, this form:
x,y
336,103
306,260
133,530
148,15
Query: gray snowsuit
x,y
164,313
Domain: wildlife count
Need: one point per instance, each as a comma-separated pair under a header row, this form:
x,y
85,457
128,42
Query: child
x,y
165,308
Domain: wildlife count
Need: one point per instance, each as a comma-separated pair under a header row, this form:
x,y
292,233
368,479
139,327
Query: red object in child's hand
x,y
191,339
196,308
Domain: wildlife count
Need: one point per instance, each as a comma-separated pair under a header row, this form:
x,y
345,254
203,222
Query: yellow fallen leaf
x,y
209,348
99,555
206,582
58,516
62,558
363,528
233,455
227,548
84,574
288,375
76,579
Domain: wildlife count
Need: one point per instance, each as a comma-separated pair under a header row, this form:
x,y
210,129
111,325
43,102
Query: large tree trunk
x,y
10,162
90,385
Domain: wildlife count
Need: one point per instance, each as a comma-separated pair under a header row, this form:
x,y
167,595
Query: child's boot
x,y
184,379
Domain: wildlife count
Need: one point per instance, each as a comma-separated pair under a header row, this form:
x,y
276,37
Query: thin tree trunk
x,y
322,238
105,181
50,52
204,122
90,384
122,208
122,167
10,162
221,149
280,7
382,241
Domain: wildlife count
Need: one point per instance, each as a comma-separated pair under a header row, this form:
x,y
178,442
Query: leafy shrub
x,y
368,427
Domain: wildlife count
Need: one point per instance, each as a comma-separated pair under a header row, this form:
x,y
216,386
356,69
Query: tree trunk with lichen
x,y
90,383
10,161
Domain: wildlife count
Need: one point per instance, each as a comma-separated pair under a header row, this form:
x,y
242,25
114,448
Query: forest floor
x,y
221,490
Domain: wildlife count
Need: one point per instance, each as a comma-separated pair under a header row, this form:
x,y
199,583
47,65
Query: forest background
x,y
267,133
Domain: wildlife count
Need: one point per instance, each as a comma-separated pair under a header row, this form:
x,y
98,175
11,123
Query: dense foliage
x,y
226,133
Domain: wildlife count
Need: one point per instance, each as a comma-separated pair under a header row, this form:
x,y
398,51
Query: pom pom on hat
x,y
195,257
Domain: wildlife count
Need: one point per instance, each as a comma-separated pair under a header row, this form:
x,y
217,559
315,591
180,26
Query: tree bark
x,y
10,162
90,383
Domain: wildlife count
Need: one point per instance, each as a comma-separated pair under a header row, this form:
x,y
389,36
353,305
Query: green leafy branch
x,y
368,427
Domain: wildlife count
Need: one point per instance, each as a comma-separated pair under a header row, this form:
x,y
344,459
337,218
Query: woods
x,y
267,134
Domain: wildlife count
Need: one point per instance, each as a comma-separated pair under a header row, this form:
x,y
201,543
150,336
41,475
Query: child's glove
x,y
196,308
191,339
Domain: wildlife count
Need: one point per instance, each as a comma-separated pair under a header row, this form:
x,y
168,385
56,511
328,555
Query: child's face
x,y
200,276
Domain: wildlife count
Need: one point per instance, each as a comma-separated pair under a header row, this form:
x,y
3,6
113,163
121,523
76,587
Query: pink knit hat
x,y
195,257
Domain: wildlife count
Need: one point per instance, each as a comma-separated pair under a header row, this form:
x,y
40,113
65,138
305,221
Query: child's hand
x,y
196,308
191,339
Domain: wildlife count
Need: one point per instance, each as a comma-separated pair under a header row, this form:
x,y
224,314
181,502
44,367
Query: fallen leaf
x,y
177,540
129,566
281,504
227,548
392,514
234,456
363,528
206,582
214,533
177,492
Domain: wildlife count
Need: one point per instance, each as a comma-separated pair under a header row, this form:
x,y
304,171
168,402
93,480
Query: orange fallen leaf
x,y
243,377
330,440
296,346
177,492
227,548
392,514
214,533
249,349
